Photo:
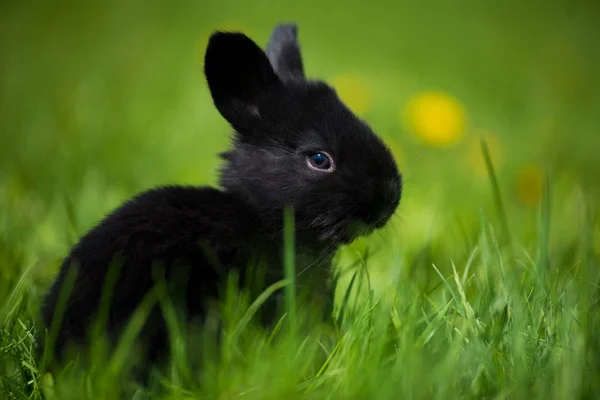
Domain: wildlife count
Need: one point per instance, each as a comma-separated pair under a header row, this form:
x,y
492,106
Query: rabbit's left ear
x,y
238,74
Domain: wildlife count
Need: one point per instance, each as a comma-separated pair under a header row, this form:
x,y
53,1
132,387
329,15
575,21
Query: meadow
x,y
486,283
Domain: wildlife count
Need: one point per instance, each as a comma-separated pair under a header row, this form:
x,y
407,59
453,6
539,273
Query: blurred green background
x,y
103,99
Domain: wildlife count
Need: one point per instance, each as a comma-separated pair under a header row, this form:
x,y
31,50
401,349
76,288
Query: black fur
x,y
278,122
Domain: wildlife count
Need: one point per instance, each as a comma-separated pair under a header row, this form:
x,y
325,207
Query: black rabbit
x,y
295,144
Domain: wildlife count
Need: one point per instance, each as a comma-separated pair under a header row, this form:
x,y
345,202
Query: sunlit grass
x,y
502,325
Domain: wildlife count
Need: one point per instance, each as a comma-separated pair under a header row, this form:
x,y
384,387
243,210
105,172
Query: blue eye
x,y
320,161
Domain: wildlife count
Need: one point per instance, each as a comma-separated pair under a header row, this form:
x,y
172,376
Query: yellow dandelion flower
x,y
227,26
437,119
475,158
353,91
529,185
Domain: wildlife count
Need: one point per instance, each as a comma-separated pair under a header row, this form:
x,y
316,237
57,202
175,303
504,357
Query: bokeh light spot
x,y
529,185
475,159
353,91
435,118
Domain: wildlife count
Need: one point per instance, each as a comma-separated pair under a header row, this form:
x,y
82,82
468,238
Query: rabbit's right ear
x,y
284,53
238,73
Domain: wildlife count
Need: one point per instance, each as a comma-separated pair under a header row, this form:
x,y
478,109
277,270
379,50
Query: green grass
x,y
474,290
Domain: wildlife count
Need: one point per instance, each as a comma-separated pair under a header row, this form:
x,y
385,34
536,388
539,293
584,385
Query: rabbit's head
x,y
296,144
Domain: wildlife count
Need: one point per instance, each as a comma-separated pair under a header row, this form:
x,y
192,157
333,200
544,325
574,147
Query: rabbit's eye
x,y
320,161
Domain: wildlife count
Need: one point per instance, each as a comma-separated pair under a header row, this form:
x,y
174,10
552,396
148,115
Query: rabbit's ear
x,y
238,73
284,53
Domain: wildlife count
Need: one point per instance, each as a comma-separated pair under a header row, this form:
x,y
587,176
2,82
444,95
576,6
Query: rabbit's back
x,y
190,234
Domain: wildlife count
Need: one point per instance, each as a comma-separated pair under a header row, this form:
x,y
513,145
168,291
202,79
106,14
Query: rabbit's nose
x,y
381,203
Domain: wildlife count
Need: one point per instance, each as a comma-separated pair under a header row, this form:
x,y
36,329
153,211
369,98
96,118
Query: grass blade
x,y
496,190
289,245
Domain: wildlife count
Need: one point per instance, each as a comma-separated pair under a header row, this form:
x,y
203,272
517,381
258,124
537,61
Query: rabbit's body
x,y
295,145
202,233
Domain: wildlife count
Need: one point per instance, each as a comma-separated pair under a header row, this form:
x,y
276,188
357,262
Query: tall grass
x,y
506,324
